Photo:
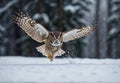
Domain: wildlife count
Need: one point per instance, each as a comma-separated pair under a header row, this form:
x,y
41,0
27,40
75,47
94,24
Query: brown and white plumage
x,y
77,33
33,29
53,40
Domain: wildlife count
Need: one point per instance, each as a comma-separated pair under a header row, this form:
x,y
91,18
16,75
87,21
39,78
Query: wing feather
x,y
34,30
78,33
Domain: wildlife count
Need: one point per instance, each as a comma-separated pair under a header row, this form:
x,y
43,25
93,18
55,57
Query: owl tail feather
x,y
59,53
42,50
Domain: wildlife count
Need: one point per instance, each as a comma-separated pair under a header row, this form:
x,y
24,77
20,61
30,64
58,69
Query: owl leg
x,y
50,56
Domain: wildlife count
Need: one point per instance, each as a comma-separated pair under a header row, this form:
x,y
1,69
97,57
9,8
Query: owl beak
x,y
56,41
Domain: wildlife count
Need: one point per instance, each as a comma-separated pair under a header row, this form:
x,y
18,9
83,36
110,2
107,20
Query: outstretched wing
x,y
34,30
77,33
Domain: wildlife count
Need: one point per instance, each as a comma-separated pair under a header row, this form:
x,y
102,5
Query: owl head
x,y
56,38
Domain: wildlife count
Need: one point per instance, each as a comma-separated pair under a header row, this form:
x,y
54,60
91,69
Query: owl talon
x,y
50,56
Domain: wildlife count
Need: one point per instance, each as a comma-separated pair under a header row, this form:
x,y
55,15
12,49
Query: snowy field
x,y
40,70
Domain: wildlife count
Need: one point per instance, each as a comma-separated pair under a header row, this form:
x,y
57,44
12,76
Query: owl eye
x,y
51,41
51,34
60,34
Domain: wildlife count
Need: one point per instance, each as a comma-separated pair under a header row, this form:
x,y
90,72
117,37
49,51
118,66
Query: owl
x,y
53,41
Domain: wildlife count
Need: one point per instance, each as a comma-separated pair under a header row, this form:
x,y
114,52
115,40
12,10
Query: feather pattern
x,y
33,29
77,33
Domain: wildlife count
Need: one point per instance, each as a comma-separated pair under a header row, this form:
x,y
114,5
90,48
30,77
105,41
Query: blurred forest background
x,y
63,15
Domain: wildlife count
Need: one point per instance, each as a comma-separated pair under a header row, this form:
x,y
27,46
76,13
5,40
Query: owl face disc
x,y
56,38
56,43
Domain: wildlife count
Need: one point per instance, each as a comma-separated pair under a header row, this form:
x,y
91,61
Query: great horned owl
x,y
53,40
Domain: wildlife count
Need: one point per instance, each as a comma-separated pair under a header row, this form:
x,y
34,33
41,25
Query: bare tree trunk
x,y
114,48
97,32
109,49
101,31
103,15
60,14
118,48
40,6
21,3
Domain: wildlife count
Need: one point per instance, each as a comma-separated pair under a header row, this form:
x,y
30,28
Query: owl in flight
x,y
52,40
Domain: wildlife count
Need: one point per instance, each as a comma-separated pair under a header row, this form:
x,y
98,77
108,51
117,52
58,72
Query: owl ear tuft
x,y
61,33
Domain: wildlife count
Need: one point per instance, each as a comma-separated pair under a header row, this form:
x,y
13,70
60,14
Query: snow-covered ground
x,y
39,70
